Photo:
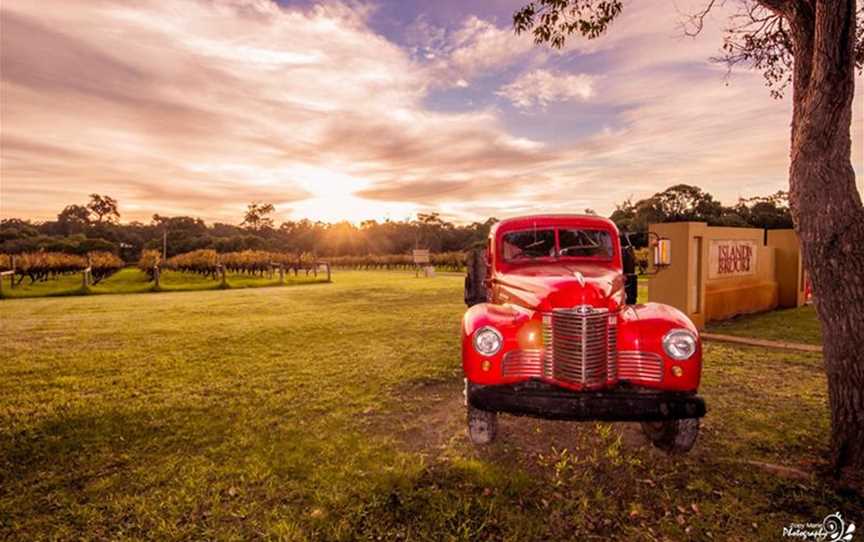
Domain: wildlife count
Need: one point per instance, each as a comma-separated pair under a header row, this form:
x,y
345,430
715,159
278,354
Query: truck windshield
x,y
572,242
585,243
527,245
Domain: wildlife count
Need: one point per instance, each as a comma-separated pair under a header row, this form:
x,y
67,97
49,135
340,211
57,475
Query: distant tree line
x,y
96,226
685,203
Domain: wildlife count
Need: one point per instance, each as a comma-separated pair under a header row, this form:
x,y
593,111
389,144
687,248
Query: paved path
x,y
783,345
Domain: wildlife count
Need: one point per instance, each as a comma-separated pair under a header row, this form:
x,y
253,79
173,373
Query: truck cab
x,y
553,330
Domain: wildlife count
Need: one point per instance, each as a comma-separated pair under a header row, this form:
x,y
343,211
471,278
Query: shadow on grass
x,y
91,291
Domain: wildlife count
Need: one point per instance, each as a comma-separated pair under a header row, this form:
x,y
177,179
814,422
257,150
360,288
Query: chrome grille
x,y
638,365
527,363
582,349
547,346
580,344
612,350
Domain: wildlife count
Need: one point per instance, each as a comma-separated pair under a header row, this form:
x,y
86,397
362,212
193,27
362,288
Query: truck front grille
x,y
582,349
637,365
580,346
526,363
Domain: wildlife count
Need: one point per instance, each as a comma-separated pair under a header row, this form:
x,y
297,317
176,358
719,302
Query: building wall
x,y
717,273
790,267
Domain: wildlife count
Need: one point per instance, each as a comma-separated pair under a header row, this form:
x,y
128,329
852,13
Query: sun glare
x,y
333,198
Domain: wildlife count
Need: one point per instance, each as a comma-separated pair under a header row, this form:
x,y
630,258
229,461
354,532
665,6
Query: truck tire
x,y
482,426
475,267
672,436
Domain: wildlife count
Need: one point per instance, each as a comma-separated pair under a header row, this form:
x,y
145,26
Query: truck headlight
x,y
679,344
488,341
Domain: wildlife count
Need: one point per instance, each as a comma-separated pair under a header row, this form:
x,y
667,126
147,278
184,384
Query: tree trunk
x,y
827,211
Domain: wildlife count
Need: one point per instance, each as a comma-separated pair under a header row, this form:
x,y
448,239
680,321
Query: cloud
x,y
542,87
198,107
477,47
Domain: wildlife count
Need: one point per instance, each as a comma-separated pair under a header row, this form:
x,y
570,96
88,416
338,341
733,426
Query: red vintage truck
x,y
553,330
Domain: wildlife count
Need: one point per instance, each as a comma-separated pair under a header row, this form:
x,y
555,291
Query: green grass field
x,y
792,325
132,280
334,412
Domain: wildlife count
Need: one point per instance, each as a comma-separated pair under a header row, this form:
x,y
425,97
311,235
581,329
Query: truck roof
x,y
546,220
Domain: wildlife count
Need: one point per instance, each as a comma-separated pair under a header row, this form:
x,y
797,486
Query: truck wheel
x,y
482,425
672,436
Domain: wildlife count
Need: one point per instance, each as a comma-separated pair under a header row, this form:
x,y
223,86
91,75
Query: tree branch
x,y
696,21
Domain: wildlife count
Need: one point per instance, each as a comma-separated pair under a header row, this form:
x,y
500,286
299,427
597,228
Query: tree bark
x,y
827,210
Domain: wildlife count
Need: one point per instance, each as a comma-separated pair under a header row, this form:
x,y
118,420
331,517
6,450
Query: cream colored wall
x,y
671,285
686,283
790,267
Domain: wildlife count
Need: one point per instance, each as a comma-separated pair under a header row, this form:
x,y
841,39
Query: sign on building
x,y
731,258
421,256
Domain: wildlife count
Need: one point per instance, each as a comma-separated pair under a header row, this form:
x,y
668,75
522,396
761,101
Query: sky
x,y
371,110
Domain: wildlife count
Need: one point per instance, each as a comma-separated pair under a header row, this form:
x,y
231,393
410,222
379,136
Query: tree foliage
x,y
186,234
257,216
686,203
104,208
74,219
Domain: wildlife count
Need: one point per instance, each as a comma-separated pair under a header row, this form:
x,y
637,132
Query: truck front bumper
x,y
542,400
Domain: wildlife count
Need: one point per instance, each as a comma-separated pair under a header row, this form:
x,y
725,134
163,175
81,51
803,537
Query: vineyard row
x,y
42,266
208,262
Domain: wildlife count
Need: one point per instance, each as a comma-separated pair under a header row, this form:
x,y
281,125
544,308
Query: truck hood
x,y
546,286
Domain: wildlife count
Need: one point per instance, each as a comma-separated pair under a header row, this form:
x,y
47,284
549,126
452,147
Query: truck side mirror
x,y
631,288
628,260
631,281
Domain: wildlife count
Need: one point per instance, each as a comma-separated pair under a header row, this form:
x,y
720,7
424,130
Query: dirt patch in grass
x,y
431,420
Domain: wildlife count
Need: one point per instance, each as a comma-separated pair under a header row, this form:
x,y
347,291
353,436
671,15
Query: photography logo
x,y
832,529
